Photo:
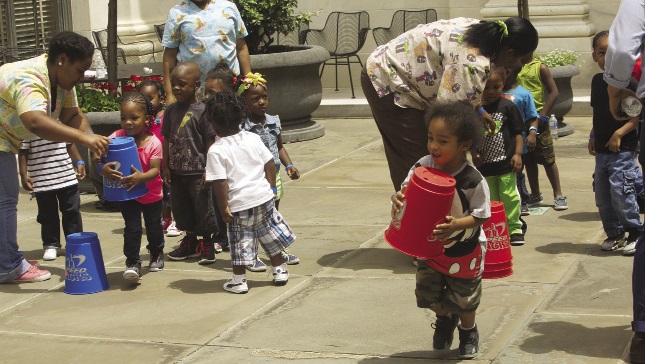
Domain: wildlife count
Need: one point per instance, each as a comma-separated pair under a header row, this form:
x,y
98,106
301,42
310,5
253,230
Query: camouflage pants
x,y
456,295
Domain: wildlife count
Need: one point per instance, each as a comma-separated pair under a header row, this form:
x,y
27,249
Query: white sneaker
x,y
630,245
50,253
236,287
172,230
280,275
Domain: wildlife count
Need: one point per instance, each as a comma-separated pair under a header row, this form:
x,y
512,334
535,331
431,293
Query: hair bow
x,y
251,79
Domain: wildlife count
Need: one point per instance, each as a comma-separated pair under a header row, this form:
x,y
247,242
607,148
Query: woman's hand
x,y
98,144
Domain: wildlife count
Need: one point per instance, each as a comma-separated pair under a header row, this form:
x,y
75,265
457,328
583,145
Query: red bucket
x,y
428,199
499,261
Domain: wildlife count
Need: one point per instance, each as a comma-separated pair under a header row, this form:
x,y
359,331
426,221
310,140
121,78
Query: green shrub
x,y
558,57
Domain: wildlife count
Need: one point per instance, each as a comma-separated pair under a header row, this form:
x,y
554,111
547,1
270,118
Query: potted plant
x,y
562,64
291,71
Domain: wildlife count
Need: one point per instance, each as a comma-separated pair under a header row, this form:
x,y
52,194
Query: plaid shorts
x,y
261,224
457,295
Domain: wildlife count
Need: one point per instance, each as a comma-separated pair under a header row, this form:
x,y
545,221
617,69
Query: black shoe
x,y
206,250
187,249
637,350
468,343
444,330
517,239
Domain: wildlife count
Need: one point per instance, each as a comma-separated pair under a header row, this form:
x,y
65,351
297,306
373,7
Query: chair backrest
x,y
13,54
297,36
100,38
344,33
402,21
159,28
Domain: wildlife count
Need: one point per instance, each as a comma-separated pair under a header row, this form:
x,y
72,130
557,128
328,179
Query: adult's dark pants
x,y
638,273
403,130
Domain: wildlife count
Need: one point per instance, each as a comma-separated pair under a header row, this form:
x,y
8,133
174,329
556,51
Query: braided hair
x,y
75,46
222,72
490,36
225,111
153,83
143,101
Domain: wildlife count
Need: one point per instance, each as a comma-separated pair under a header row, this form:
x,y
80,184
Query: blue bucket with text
x,y
123,150
84,268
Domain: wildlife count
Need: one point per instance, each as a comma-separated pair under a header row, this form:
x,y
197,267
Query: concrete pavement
x,y
350,300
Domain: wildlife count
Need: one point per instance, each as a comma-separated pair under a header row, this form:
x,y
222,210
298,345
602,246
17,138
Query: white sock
x,y
466,329
239,278
275,268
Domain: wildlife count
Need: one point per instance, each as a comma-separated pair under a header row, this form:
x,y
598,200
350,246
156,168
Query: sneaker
x,y
236,287
218,248
630,243
444,330
613,243
560,203
50,253
257,266
165,223
517,239
524,210
468,343
290,259
132,271
33,274
187,249
280,275
172,230
156,262
206,252
534,200
225,246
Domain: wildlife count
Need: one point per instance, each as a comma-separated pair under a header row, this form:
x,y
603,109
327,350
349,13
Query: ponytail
x,y
490,36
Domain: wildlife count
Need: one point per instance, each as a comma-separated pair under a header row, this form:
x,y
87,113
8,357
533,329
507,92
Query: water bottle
x,y
553,125
99,66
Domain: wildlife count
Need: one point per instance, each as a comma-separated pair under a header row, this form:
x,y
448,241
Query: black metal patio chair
x,y
343,36
296,37
402,21
159,28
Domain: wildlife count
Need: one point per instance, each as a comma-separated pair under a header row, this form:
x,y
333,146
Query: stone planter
x,y
562,76
294,87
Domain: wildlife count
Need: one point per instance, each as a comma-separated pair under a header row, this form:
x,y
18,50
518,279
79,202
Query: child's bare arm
x,y
531,137
76,157
220,189
269,172
397,201
614,142
516,160
165,150
452,224
22,167
549,84
137,177
292,171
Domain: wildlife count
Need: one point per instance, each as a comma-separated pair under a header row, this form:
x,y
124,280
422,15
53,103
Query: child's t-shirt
x,y
49,165
604,124
240,160
188,134
530,78
152,150
523,99
463,259
269,133
497,149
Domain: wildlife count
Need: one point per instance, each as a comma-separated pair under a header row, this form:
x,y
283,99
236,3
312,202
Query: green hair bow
x,y
504,28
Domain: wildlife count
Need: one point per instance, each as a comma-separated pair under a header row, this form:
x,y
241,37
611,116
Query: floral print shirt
x,y
429,63
24,86
205,37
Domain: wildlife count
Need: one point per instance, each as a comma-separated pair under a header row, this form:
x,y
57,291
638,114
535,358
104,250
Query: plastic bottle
x,y
553,125
631,106
99,66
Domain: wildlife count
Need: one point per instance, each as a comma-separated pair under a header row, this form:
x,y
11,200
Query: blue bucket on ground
x,y
84,268
123,150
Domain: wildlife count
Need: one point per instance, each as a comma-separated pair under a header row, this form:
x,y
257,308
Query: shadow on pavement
x,y
370,258
581,216
200,286
573,248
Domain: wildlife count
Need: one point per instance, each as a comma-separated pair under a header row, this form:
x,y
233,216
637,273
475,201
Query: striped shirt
x,y
49,165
